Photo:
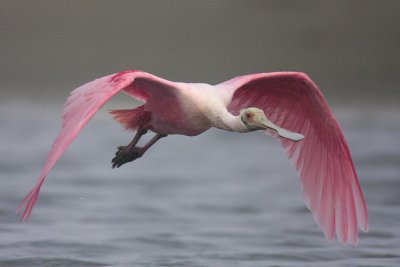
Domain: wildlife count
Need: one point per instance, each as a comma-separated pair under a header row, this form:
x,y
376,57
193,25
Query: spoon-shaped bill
x,y
283,132
289,134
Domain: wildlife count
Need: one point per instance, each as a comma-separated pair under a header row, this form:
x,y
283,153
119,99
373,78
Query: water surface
x,y
220,199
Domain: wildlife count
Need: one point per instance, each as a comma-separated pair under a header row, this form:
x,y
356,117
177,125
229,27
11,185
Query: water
x,y
220,199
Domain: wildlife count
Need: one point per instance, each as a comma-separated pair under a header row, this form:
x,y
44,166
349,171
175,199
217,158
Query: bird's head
x,y
254,119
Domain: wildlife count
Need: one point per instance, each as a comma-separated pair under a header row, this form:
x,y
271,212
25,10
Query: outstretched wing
x,y
83,103
327,174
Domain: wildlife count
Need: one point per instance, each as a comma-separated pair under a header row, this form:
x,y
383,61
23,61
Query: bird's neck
x,y
229,122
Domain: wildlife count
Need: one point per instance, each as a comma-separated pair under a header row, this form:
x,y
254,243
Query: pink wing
x,y
327,174
83,103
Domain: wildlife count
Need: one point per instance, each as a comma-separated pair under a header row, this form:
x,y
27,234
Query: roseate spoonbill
x,y
247,103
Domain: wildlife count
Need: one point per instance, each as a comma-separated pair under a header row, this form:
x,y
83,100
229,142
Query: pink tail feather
x,y
131,119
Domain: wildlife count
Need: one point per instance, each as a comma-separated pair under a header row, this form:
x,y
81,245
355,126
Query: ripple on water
x,y
50,262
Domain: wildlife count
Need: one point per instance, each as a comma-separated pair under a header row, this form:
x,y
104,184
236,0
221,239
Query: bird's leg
x,y
140,132
151,142
127,153
131,152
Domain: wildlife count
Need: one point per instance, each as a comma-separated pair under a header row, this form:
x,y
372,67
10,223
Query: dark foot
x,y
123,155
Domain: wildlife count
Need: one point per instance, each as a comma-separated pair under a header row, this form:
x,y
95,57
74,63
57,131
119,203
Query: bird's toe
x,y
123,156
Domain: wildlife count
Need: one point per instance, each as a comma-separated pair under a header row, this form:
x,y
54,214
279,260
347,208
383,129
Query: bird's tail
x,y
131,119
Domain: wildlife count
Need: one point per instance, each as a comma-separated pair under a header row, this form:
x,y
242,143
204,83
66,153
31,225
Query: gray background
x,y
350,48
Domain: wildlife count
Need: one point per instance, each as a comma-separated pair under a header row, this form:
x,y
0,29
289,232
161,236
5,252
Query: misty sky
x,y
350,48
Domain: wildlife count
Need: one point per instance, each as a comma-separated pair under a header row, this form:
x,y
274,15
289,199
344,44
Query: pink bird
x,y
244,104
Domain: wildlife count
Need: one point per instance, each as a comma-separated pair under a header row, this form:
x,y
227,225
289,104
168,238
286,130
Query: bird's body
x,y
195,111
195,108
247,103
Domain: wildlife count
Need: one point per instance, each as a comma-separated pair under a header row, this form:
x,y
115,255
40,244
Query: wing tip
x,y
29,202
343,240
349,240
365,226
